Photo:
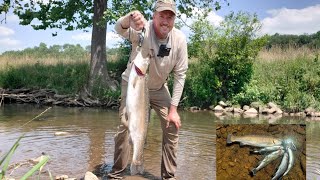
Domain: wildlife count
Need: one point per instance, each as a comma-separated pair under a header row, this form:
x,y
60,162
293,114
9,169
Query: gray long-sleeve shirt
x,y
160,67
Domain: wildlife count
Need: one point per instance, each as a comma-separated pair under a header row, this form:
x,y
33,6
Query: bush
x,y
225,60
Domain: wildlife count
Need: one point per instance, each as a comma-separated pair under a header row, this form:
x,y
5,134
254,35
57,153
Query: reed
x,y
5,160
277,53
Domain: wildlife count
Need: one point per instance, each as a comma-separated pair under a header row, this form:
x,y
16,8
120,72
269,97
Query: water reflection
x,y
90,142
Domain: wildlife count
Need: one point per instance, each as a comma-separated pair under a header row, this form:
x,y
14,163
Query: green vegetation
x,y
293,84
64,78
5,159
227,63
224,59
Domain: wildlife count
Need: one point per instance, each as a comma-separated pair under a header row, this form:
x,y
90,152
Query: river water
x,y
90,142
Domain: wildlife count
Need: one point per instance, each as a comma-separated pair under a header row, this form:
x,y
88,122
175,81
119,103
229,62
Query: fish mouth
x,y
139,71
288,143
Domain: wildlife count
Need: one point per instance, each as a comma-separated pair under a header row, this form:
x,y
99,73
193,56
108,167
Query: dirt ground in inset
x,y
235,162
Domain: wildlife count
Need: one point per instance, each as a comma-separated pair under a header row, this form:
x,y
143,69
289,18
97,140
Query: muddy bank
x,y
50,97
236,162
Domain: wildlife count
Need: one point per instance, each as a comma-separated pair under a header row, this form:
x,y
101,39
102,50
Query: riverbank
x,y
51,97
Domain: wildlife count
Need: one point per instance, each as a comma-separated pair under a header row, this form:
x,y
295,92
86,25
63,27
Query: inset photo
x,y
261,151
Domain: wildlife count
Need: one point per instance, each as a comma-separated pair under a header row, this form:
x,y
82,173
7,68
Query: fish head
x,y
288,143
142,63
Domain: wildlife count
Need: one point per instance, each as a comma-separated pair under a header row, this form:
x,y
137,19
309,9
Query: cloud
x,y
4,31
292,21
213,18
8,42
112,38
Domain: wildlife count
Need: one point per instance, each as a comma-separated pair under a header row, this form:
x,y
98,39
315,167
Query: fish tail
x,y
136,169
229,139
253,171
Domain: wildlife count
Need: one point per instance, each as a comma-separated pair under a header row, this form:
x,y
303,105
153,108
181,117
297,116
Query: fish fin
x,y
253,171
136,169
229,139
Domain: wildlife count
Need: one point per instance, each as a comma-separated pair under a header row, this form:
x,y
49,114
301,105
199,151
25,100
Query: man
x,y
171,57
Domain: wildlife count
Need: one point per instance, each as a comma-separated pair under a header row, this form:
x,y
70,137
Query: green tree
x,y
225,58
74,14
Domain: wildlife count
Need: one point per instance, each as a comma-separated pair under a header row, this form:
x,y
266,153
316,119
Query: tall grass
x,y
65,78
289,77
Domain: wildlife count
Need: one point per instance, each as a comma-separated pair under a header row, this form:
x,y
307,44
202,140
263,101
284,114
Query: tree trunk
x,y
98,77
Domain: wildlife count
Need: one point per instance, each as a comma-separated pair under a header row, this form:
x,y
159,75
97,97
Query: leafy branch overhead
x,y
74,14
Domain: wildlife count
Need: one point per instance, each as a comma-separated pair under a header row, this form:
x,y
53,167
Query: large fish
x,y
268,159
267,149
291,161
254,140
282,167
137,110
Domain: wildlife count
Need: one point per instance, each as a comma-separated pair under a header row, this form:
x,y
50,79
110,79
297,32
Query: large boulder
x,y
223,104
272,105
218,108
251,111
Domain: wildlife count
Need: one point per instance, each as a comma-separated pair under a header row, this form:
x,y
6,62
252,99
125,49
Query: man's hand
x,y
173,117
137,21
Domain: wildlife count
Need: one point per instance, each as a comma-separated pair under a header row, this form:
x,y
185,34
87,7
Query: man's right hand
x,y
137,21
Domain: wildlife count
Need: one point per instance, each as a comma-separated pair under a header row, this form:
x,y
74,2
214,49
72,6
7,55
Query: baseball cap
x,y
162,5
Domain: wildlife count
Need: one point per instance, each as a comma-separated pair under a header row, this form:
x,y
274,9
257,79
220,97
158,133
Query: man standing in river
x,y
166,47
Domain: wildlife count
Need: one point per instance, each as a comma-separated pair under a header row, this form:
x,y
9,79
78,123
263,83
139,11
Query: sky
x,y
277,16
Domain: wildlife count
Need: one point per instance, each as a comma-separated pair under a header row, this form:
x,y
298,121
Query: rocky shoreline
x,y
50,97
270,110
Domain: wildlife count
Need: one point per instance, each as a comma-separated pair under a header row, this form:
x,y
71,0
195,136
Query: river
x,y
90,142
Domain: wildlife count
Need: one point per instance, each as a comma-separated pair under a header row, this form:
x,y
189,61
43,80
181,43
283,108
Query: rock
x,y
194,109
62,177
232,164
309,110
61,133
272,110
229,109
317,114
90,176
251,111
255,105
246,107
264,110
211,107
218,108
279,111
272,105
223,104
237,110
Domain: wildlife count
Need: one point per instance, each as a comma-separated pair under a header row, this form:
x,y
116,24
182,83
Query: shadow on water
x,y
90,142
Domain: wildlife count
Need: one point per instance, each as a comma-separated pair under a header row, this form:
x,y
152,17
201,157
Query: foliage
x,y
293,84
70,51
225,58
64,78
285,41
